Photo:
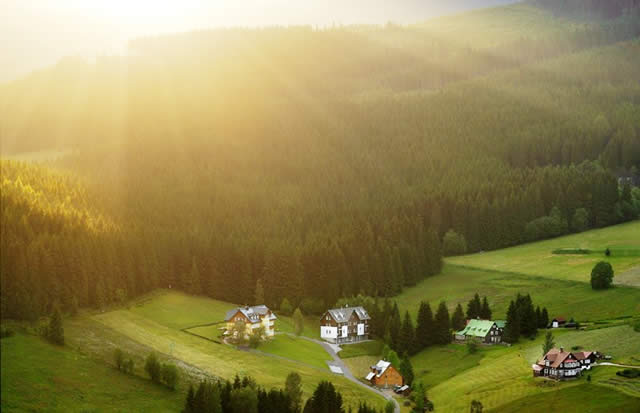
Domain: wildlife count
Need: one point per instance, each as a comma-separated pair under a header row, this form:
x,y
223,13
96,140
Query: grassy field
x,y
368,348
155,323
561,297
298,349
500,375
37,376
537,259
576,399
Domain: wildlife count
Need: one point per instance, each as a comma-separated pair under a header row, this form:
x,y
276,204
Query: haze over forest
x,y
40,32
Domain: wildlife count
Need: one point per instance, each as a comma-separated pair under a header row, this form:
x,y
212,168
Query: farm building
x,y
253,318
484,331
561,365
558,322
384,375
345,325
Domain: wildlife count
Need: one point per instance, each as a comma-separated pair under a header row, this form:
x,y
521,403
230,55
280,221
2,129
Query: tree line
x,y
243,395
320,200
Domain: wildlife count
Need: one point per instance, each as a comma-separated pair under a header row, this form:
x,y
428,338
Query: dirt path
x,y
337,361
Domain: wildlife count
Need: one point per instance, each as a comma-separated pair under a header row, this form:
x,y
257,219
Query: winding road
x,y
337,361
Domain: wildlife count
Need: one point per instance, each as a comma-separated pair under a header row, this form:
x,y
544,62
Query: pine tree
x,y
406,370
544,320
425,326
512,327
485,311
442,325
474,307
539,318
394,325
457,320
406,336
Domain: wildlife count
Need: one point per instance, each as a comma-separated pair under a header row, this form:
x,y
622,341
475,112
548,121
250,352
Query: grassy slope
x,y
499,375
37,376
536,258
156,322
575,399
503,375
566,298
297,349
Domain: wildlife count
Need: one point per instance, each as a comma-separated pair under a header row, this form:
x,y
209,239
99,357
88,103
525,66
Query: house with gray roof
x,y
253,318
345,325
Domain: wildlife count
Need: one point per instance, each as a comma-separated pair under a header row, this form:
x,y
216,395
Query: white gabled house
x,y
345,325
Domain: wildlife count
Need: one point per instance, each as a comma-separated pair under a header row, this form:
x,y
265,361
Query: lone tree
x,y
549,343
601,276
476,406
55,330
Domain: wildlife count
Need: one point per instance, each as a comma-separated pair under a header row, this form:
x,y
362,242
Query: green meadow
x,y
500,375
537,258
561,297
576,399
298,349
155,322
38,376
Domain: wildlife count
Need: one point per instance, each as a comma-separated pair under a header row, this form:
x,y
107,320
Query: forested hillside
x,y
317,172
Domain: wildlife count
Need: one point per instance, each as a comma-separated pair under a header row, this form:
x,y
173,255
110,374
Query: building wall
x,y
391,377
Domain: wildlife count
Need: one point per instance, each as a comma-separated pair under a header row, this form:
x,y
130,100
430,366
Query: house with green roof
x,y
484,331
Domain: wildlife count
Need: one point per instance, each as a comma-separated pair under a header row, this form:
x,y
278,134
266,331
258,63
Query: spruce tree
x,y
406,370
424,327
512,327
474,307
539,318
457,320
544,321
485,311
406,336
395,323
442,325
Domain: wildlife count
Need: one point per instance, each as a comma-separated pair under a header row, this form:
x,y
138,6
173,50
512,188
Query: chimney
x,y
562,349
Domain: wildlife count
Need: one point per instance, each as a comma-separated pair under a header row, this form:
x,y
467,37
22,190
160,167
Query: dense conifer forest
x,y
320,163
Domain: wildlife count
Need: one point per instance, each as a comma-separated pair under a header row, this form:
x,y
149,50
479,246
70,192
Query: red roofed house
x,y
560,365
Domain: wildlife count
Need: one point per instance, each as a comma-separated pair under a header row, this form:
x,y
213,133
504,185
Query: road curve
x,y
337,361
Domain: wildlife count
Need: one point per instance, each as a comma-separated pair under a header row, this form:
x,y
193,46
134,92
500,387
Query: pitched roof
x,y
556,357
343,314
477,328
380,368
500,323
254,314
581,355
